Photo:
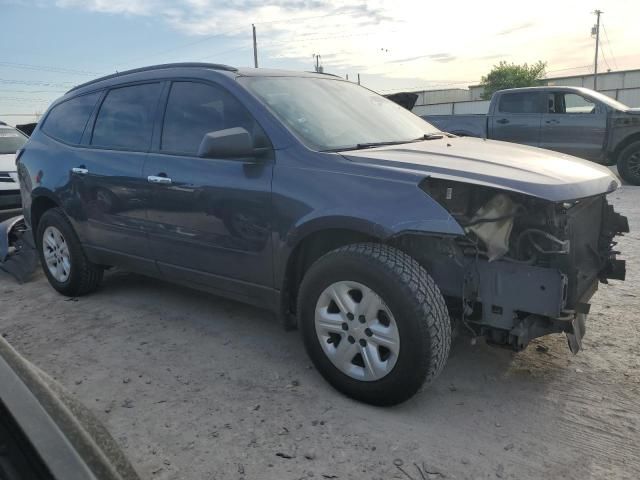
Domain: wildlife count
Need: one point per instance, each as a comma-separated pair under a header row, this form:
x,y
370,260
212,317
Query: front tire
x,y
629,163
63,260
374,323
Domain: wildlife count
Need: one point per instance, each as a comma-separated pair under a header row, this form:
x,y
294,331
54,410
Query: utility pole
x,y
597,32
318,67
358,79
255,47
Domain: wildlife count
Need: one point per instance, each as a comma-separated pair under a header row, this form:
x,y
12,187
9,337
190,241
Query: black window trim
x,y
154,117
157,143
539,95
43,122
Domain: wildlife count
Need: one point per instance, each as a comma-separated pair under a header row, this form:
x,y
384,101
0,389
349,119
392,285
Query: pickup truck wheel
x,y
63,260
629,163
373,322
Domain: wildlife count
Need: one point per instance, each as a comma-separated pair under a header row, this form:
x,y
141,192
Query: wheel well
x,y
38,207
624,143
308,251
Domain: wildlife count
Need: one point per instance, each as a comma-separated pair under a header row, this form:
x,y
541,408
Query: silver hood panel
x,y
507,166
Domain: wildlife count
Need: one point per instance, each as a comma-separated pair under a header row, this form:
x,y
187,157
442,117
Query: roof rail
x,y
215,66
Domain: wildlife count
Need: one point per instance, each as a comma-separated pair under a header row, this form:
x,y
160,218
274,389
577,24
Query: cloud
x,y
516,28
438,57
376,38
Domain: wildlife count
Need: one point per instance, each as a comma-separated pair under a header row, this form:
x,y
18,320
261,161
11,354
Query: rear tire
x,y
384,298
63,260
629,163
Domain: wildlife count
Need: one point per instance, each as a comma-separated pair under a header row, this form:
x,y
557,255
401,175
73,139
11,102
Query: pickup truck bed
x,y
472,125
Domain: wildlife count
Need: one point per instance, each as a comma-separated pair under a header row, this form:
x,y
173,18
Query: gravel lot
x,y
195,387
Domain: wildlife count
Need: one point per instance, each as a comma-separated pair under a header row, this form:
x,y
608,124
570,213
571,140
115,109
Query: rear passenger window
x,y
194,109
520,103
66,121
125,119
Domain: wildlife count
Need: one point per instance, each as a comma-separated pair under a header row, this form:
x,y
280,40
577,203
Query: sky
x,y
46,47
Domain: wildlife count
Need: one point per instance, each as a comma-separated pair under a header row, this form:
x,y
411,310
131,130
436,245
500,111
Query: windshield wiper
x,y
431,136
363,146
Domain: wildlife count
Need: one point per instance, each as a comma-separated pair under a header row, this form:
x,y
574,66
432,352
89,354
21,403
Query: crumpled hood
x,y
8,164
533,171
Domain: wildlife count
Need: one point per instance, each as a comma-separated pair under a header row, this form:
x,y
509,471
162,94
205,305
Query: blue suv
x,y
349,217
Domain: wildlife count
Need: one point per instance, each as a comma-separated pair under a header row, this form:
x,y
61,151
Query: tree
x,y
510,75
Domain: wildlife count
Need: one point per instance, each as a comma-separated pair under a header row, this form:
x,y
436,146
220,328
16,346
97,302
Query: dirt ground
x,y
195,387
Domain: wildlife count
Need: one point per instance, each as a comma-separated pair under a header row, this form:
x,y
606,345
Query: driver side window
x,y
570,103
195,109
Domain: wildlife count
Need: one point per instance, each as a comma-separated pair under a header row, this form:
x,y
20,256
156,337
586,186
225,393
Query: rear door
x,y
108,176
575,125
517,118
209,218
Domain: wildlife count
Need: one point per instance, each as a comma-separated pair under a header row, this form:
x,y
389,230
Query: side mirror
x,y
228,143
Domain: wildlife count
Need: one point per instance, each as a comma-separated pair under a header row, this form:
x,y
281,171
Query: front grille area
x,y
5,177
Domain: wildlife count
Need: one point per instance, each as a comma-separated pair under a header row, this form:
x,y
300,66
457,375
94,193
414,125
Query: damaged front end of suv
x,y
526,266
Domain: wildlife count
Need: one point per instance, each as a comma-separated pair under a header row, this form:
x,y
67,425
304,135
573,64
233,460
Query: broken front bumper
x,y
521,302
17,250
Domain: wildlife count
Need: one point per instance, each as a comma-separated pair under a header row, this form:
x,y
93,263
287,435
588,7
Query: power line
x,y
569,68
604,57
39,83
294,19
606,36
31,91
223,52
46,68
190,44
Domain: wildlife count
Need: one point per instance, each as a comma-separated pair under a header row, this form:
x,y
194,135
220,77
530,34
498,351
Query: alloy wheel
x,y
56,254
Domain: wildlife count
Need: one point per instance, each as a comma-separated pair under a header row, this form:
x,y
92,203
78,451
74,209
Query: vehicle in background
x,y
27,128
11,140
404,99
318,199
572,120
46,434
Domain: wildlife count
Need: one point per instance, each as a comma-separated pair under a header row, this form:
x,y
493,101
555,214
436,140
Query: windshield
x,y
609,101
330,114
11,140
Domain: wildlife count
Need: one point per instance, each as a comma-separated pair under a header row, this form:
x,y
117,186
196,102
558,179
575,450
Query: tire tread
x,y
429,305
89,275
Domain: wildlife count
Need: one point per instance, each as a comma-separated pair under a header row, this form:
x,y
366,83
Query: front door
x,y
108,178
209,219
517,118
575,125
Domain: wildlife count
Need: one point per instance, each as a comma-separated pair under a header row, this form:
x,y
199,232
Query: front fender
x,y
307,202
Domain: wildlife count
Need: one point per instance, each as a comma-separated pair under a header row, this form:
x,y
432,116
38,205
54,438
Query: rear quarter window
x,y
67,120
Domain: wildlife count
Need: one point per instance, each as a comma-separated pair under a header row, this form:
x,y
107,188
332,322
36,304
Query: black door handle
x,y
552,121
502,121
